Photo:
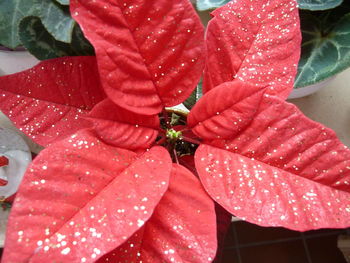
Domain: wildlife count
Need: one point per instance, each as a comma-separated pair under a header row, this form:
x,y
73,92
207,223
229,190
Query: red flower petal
x,y
182,228
281,170
82,198
255,41
150,53
47,101
122,128
219,112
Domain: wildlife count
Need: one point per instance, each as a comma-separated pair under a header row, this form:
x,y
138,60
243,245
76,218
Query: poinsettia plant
x,y
112,186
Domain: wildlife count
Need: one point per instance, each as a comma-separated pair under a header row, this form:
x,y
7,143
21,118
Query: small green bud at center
x,y
173,135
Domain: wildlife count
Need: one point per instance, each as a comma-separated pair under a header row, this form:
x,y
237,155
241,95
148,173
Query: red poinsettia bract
x,y
102,191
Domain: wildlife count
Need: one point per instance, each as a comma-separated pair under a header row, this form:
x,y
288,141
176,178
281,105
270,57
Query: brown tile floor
x,y
248,243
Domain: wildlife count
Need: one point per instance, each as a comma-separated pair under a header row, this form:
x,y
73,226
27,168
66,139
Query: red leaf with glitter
x,y
150,53
255,41
279,169
82,198
122,128
47,101
182,228
222,110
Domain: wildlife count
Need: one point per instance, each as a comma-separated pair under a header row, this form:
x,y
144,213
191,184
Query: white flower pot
x,y
3,222
14,148
15,61
308,90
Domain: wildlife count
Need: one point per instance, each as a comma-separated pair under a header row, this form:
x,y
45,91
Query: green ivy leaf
x,y
56,19
326,45
194,97
63,2
318,4
43,46
210,4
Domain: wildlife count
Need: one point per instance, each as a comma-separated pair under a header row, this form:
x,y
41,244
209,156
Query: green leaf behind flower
x,y
11,13
194,97
63,2
42,45
326,45
210,4
318,4
55,18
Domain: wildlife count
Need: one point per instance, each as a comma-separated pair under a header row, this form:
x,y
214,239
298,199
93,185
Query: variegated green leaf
x,y
303,4
11,13
63,2
55,17
80,44
194,97
42,45
210,4
326,45
318,4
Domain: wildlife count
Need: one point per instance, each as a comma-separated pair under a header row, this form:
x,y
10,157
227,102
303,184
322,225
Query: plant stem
x,y
161,141
188,139
175,156
166,119
184,129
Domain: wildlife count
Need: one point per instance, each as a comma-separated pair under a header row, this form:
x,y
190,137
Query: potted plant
x,y
111,184
326,42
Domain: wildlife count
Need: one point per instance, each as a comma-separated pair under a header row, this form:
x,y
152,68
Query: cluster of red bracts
x,y
102,192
